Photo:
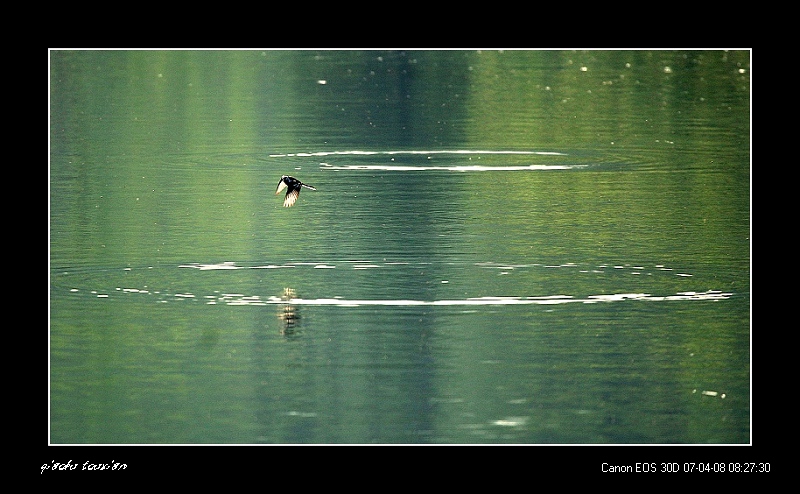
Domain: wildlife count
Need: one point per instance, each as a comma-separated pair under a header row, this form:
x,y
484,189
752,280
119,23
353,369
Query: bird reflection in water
x,y
289,314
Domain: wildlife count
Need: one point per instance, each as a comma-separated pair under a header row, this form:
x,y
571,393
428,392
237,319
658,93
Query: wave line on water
x,y
462,168
228,265
411,152
238,299
367,264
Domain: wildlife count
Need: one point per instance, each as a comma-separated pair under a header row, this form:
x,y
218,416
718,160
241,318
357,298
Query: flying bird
x,y
293,185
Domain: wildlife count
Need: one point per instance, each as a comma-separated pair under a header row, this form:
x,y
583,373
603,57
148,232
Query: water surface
x,y
504,247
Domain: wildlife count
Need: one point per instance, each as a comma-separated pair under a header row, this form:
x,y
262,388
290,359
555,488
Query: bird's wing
x,y
291,197
281,186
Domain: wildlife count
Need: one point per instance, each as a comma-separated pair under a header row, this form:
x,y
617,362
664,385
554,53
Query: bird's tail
x,y
308,187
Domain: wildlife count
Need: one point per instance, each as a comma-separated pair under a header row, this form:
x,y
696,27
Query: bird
x,y
294,187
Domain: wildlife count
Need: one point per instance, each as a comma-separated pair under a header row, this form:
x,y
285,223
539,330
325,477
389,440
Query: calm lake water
x,y
536,247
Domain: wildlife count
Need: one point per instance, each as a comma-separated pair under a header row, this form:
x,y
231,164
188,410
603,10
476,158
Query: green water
x,y
504,247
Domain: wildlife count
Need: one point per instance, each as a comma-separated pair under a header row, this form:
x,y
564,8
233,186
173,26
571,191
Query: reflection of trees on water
x,y
289,314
